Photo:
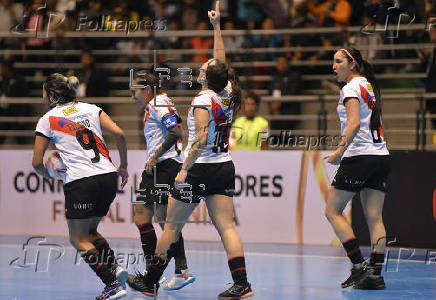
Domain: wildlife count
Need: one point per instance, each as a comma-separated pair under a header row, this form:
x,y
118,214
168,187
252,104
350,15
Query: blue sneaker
x,y
121,276
112,292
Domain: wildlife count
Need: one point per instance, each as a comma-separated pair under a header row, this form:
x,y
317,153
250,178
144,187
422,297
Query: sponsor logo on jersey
x,y
69,111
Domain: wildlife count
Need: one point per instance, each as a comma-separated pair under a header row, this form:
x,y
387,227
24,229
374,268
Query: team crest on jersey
x,y
69,111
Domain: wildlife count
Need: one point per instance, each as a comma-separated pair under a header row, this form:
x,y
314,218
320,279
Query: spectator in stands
x,y
287,43
10,15
93,81
123,12
249,130
188,13
331,12
278,10
285,81
307,40
267,40
36,19
322,54
95,13
232,42
199,43
173,42
299,14
12,84
249,10
95,10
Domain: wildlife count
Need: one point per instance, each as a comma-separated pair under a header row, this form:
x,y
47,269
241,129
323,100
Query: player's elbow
x,y
37,164
355,125
119,133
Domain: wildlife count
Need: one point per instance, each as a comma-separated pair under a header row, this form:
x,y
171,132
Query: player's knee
x,y
331,213
224,227
374,218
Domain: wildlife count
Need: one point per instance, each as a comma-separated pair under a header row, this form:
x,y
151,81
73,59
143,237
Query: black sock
x,y
157,266
179,255
376,261
237,268
353,251
155,269
148,240
102,271
106,254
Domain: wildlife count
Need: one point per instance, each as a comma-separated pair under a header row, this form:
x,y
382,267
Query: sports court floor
x,y
276,272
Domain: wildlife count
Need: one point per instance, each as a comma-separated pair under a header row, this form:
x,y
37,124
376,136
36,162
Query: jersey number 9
x,y
88,143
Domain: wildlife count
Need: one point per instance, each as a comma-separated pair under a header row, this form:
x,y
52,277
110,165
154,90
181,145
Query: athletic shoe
x,y
179,281
137,283
357,275
112,292
372,282
237,292
121,275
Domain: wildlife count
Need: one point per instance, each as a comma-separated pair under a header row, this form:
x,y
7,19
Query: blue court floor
x,y
47,268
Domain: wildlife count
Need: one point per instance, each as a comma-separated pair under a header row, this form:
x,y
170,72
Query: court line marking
x,y
246,253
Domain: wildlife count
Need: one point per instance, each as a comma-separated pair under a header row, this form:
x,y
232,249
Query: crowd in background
x,y
173,15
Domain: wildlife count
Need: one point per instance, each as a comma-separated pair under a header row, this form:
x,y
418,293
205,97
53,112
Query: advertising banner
x,y
280,198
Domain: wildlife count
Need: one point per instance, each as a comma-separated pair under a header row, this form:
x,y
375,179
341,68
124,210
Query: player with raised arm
x,y
162,130
210,172
90,186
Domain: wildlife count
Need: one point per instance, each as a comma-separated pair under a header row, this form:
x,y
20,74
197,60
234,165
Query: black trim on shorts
x,y
362,171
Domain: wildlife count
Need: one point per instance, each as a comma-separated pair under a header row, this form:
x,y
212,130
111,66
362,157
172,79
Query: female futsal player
x,y
363,166
162,130
209,171
75,128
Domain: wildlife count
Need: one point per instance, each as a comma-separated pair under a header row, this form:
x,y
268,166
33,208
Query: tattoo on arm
x,y
197,147
174,135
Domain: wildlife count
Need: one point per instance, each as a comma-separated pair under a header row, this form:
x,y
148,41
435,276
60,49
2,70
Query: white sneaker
x,y
179,281
122,276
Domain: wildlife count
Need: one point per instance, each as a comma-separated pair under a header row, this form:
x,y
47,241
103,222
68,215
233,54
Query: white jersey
x,y
364,142
220,121
74,128
156,126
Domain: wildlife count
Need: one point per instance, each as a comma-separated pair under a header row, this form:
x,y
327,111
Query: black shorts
x,y
362,171
150,192
207,179
90,196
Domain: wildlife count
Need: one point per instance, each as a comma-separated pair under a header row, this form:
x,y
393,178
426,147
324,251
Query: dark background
x,y
408,209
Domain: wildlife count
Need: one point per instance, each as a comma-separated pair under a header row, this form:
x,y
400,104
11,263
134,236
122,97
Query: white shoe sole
x,y
185,283
118,295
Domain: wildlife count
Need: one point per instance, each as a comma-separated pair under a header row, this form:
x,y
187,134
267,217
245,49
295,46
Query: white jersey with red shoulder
x,y
365,142
160,116
74,128
220,121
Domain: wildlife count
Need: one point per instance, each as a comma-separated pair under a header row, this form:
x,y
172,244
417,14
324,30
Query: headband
x,y
350,56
